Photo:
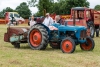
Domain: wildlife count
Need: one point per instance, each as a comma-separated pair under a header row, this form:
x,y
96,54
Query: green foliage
x,y
23,10
41,5
59,7
97,7
66,5
47,5
1,14
7,9
77,3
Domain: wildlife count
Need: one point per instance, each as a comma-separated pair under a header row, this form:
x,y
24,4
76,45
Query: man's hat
x,y
47,13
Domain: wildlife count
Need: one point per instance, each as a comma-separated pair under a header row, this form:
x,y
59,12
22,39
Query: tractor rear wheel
x,y
55,45
88,45
38,37
68,45
16,45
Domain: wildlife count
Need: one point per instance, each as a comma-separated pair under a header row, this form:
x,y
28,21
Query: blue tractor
x,y
66,38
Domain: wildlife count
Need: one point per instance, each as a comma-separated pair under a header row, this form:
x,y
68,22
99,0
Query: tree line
x,y
22,9
59,7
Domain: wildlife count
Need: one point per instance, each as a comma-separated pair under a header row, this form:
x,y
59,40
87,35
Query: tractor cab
x,y
82,13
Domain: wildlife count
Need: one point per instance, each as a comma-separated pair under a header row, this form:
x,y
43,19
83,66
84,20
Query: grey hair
x,y
57,16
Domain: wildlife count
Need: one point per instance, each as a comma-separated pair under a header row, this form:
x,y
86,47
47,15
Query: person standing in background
x,y
48,20
32,22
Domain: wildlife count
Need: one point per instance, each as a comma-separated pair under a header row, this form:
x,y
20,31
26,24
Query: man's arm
x,y
51,21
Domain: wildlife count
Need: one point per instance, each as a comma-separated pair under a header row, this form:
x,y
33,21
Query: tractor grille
x,y
83,34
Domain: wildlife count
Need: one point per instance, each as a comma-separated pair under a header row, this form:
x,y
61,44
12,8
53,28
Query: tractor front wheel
x,y
88,45
68,45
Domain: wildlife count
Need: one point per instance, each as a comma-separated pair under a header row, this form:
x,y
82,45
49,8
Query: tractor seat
x,y
53,28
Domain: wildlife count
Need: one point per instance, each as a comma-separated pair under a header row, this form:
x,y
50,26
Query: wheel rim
x,y
92,30
35,38
67,46
87,46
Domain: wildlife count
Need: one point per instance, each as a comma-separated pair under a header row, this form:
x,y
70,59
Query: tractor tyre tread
x,y
44,35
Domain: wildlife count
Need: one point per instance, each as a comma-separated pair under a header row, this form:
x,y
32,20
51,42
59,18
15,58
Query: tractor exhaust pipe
x,y
74,18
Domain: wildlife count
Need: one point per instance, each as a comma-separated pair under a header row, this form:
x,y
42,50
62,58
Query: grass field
x,y
26,57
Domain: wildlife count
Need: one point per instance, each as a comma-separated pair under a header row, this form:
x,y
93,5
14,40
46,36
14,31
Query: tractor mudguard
x,y
47,28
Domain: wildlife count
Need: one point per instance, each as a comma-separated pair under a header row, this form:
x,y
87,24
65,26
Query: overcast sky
x,y
14,3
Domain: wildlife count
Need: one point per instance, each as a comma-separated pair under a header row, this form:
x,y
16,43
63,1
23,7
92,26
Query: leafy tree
x,y
76,3
97,7
59,7
1,14
42,5
66,5
7,9
23,10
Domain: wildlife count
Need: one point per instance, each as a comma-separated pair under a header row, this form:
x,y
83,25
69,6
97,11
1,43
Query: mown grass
x,y
26,57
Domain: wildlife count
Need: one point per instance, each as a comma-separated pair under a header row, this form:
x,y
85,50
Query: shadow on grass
x,y
21,47
48,49
82,51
